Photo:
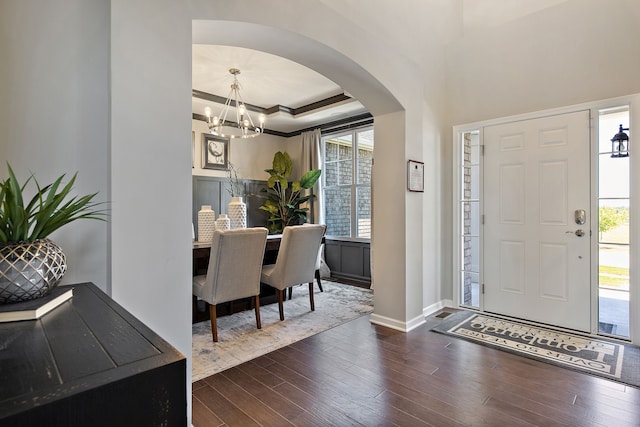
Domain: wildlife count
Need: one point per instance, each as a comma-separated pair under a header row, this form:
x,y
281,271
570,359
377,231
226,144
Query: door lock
x,y
578,232
580,216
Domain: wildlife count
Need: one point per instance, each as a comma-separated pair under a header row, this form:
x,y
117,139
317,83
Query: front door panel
x,y
536,256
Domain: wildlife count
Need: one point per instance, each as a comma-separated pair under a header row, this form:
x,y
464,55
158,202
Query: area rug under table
x,y
240,340
605,358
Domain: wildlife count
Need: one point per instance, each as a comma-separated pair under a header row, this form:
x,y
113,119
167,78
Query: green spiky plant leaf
x,y
50,208
283,204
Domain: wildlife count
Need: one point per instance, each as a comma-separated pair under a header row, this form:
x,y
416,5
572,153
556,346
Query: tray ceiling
x,y
291,94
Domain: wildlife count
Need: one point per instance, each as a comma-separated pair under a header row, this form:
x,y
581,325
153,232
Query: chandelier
x,y
243,126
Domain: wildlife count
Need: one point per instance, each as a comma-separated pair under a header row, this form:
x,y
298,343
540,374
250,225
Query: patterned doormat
x,y
605,358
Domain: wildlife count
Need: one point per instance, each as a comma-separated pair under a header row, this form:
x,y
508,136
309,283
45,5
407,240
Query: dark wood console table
x,y
89,362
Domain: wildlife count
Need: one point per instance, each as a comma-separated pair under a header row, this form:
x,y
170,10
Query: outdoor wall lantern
x,y
620,144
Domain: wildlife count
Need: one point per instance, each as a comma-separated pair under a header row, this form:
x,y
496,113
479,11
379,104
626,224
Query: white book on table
x,y
35,308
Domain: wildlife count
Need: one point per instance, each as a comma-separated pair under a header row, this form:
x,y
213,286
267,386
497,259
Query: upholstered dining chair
x,y
319,261
318,264
296,261
235,264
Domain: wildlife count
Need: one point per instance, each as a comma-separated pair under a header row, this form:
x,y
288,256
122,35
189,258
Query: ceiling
x,y
292,96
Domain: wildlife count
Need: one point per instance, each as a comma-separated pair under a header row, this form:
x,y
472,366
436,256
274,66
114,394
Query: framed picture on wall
x,y
215,152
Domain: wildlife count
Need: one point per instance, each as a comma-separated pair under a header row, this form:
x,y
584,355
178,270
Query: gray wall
x,y
209,190
54,112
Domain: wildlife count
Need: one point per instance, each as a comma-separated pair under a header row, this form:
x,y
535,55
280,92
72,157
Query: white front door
x,y
536,256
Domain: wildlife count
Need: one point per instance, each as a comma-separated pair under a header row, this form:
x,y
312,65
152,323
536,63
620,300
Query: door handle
x,y
578,232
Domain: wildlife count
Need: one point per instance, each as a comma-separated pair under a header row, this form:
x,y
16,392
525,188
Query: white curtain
x,y
312,158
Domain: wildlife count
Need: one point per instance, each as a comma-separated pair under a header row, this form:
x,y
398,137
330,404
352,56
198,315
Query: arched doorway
x,y
389,119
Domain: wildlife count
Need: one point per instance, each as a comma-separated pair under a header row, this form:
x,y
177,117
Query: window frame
x,y
355,183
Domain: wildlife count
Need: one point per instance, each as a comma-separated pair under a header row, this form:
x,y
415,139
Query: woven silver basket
x,y
30,270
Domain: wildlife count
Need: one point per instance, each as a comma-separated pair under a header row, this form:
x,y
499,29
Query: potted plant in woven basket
x,y
31,265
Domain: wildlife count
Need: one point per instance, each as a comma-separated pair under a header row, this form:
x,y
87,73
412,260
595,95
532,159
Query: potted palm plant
x,y
31,265
283,203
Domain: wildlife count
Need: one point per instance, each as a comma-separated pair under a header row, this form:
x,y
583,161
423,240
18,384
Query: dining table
x,y
200,254
201,251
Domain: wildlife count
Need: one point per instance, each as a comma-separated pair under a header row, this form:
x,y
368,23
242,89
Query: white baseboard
x,y
427,311
398,325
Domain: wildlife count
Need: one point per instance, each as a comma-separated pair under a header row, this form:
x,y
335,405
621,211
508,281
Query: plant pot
x,y
30,270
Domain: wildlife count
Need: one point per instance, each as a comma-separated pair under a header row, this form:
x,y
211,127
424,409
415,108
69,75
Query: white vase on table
x,y
223,223
206,223
237,210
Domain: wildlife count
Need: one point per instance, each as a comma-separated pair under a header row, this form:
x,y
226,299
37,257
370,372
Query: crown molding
x,y
334,126
276,108
337,125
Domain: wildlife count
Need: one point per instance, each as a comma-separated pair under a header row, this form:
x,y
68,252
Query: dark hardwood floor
x,y
360,374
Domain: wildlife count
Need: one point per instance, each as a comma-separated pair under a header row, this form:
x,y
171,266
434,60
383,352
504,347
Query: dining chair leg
x,y
318,279
214,322
290,292
313,306
258,312
280,305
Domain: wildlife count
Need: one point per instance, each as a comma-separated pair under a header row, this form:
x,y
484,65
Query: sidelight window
x,y
470,219
613,227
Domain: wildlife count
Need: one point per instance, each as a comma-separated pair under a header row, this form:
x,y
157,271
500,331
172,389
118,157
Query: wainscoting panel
x,y
211,190
348,259
207,190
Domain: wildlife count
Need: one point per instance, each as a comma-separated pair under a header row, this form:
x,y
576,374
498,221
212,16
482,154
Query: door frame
x,y
633,101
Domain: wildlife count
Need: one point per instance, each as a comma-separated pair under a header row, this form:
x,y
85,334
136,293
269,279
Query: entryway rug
x,y
605,358
240,340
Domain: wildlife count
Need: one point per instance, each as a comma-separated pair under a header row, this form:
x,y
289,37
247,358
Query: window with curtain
x,y
348,158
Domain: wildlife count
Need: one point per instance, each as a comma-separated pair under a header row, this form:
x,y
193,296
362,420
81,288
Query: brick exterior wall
x,y
466,221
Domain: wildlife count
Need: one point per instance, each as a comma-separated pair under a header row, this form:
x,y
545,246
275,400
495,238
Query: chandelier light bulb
x,y
207,111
